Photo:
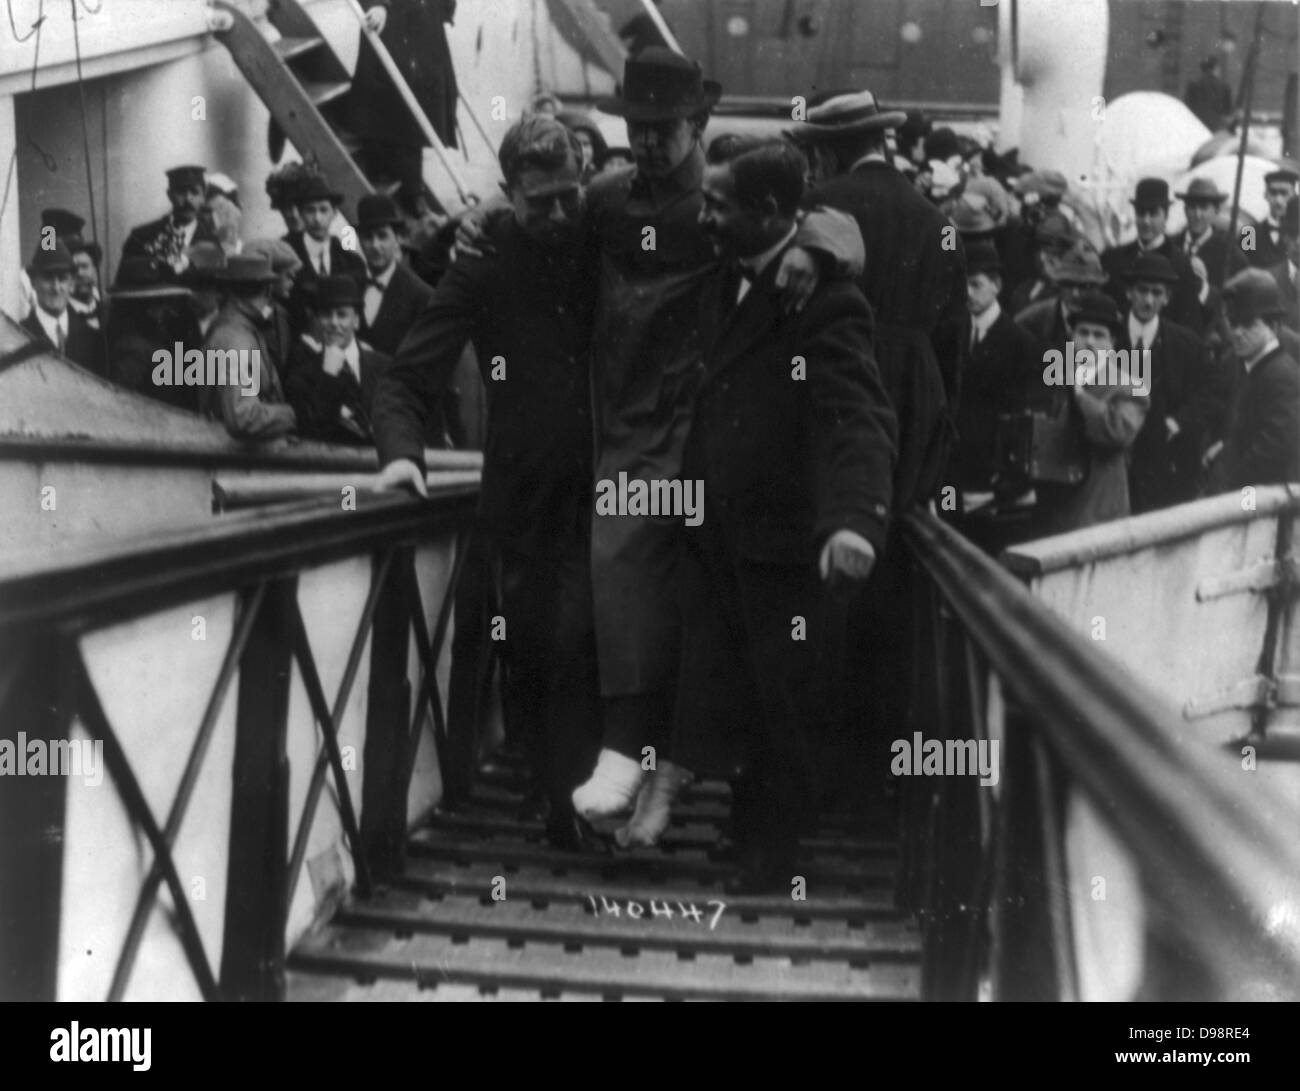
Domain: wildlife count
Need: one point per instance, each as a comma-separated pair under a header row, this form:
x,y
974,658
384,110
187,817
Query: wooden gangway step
x,y
487,909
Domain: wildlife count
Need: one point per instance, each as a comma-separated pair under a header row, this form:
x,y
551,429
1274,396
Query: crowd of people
x,y
825,328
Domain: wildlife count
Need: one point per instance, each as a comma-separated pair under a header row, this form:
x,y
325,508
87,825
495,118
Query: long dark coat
x,y
319,399
418,45
1186,388
1184,307
1261,435
530,307
916,286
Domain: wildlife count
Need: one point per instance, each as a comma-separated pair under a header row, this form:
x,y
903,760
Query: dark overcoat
x,y
1261,436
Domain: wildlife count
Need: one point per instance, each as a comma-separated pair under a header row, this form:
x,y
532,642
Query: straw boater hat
x,y
660,85
844,115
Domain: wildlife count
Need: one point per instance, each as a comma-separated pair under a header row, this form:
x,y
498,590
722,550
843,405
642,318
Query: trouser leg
x,y
525,650
474,595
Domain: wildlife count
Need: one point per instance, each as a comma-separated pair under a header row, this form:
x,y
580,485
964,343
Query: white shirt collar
x,y
1202,238
351,354
1156,244
758,262
1271,344
315,250
984,322
51,324
878,157
86,309
1142,332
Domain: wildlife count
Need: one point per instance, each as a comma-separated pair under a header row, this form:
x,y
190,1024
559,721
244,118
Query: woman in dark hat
x,y
149,312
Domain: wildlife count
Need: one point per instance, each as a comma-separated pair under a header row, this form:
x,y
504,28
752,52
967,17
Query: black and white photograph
x,y
623,500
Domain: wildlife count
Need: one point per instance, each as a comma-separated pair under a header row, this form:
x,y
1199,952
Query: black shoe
x,y
573,833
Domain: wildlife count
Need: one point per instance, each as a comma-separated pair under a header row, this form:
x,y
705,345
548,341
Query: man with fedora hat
x,y
1202,238
52,320
914,278
1151,211
66,227
1187,393
150,312
166,239
243,325
331,381
1280,185
1260,442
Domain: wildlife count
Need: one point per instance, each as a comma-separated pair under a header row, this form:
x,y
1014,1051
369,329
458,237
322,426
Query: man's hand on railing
x,y
377,18
846,555
402,473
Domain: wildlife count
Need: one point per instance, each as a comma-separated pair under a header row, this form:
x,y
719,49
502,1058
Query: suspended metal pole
x,y
1248,79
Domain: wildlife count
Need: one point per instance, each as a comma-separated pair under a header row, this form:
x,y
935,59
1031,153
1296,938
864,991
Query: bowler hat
x,y
140,278
183,177
660,85
1151,193
57,259
315,188
1251,294
1098,307
846,114
377,210
336,291
1150,268
982,257
1202,191
246,269
1080,265
65,223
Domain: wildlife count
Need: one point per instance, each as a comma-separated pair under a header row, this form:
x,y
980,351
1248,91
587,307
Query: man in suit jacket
x,y
796,464
1048,321
52,320
1001,366
1201,238
321,254
914,279
1187,393
165,240
1279,187
1261,435
331,382
527,305
393,296
1188,305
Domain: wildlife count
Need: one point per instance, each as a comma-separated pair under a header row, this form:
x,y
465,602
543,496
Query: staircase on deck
x,y
582,927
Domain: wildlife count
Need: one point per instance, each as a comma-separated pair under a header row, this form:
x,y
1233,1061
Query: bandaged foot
x,y
654,806
612,786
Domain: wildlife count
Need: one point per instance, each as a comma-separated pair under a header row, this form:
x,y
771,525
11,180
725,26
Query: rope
x,y
85,145
36,63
